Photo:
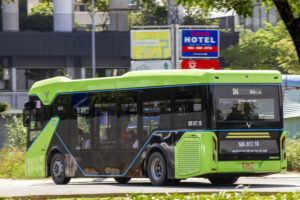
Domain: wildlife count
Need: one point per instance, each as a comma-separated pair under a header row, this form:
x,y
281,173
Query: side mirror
x,y
26,117
29,105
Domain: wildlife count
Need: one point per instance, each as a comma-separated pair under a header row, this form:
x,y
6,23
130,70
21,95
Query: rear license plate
x,y
248,165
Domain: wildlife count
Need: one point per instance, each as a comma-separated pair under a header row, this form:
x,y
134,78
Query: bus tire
x,y
157,169
223,180
57,170
122,180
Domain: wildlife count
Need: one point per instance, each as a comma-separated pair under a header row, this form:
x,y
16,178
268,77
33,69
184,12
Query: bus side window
x,y
104,120
129,120
83,128
189,107
156,109
80,106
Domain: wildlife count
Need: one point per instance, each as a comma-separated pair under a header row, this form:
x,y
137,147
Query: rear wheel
x,y
57,168
157,169
122,180
220,180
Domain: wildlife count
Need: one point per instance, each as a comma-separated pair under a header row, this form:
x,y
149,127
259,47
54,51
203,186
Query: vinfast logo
x,y
46,93
249,124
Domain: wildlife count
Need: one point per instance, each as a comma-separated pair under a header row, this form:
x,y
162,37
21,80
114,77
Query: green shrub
x,y
12,163
12,155
293,154
3,107
16,134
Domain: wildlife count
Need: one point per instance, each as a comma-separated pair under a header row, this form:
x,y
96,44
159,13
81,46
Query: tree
x,y
152,12
101,9
149,13
289,11
269,48
40,18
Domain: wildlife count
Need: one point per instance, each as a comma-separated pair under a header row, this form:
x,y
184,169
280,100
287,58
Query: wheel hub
x,y
58,168
156,169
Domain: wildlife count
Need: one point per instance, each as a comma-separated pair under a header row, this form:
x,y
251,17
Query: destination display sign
x,y
247,91
200,43
248,146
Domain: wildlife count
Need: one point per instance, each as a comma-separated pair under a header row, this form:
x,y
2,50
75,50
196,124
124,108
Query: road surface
x,y
104,187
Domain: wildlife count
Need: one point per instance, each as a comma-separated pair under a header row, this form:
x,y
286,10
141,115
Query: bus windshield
x,y
246,103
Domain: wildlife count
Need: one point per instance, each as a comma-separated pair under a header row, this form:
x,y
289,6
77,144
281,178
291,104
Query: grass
x,y
12,163
211,196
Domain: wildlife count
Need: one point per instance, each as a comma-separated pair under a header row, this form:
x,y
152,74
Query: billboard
x,y
200,43
150,44
200,64
150,65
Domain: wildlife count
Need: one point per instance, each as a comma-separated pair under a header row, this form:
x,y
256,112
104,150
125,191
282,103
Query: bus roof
x,y
47,89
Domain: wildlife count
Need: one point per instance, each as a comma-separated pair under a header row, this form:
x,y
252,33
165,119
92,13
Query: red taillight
x,y
214,149
283,148
215,144
283,143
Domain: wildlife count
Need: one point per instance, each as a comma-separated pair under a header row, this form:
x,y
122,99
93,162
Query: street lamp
x,y
93,41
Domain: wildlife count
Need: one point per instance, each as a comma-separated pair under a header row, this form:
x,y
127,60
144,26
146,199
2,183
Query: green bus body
x,y
194,154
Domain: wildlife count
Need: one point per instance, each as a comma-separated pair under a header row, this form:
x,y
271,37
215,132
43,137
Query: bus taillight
x,y
214,149
283,148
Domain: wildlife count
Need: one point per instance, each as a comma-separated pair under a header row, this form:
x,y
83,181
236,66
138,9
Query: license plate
x,y
248,165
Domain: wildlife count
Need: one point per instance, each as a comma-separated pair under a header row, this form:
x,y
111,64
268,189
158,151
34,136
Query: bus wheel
x,y
218,180
157,169
58,169
122,180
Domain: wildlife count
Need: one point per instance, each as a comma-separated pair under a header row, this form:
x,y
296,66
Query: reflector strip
x,y
248,135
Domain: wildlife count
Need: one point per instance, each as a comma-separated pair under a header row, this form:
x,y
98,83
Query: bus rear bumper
x,y
257,167
196,155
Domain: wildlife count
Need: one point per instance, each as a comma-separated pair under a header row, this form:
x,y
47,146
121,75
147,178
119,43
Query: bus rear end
x,y
249,127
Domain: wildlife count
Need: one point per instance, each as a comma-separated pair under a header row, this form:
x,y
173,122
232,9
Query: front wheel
x,y
58,170
220,180
157,169
122,180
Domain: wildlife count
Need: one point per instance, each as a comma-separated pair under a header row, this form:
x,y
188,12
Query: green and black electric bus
x,y
164,125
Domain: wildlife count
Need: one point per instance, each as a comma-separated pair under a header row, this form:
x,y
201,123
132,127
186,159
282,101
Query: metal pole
x,y
93,41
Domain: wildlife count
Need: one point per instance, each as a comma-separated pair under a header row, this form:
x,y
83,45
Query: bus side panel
x,y
194,154
35,158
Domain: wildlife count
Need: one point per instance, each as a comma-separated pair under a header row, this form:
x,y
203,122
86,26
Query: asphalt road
x,y
18,188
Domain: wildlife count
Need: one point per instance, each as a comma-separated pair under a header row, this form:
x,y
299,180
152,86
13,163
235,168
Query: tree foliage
x,y
269,48
289,11
39,19
45,8
149,13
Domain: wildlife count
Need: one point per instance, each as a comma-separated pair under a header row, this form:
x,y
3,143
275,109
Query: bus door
x,y
32,119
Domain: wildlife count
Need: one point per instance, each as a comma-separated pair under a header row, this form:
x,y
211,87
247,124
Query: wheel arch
x,y
154,148
53,150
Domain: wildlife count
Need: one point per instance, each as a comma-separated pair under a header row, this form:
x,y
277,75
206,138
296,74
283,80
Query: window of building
x,y
256,17
106,72
27,77
263,14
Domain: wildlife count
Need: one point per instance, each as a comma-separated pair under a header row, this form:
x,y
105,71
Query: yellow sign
x,y
150,44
